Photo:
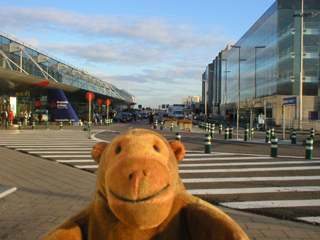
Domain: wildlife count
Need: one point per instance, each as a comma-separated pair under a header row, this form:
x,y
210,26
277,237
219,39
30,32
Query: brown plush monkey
x,y
139,195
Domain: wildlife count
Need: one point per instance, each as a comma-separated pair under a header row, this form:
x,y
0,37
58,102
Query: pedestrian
x,y
21,117
40,117
151,118
26,117
11,117
5,116
31,117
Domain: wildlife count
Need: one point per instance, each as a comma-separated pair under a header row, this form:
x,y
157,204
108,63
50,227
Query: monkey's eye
x,y
156,148
118,150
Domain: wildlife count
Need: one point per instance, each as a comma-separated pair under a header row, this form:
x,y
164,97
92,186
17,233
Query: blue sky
x,y
155,49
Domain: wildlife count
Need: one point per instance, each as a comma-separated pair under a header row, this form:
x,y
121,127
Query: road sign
x,y
90,96
290,100
99,101
108,102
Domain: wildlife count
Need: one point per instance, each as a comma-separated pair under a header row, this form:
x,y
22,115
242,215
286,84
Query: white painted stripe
x,y
249,169
225,158
57,152
250,179
244,164
315,219
75,161
253,190
204,154
63,156
272,204
53,148
86,166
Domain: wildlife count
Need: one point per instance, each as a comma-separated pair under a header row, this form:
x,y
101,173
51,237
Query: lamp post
x,y
225,84
255,69
238,108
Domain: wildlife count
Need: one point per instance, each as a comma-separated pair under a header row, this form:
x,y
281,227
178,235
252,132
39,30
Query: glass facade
x,y
19,56
266,60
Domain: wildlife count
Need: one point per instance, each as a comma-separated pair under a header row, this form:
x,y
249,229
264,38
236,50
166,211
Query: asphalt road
x,y
236,174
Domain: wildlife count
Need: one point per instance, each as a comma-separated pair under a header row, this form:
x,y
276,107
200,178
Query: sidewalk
x,y
49,192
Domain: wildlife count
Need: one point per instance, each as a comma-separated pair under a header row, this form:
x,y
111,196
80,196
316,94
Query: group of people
x,y
24,117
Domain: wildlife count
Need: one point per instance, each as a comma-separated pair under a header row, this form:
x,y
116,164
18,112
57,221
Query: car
x,y
123,117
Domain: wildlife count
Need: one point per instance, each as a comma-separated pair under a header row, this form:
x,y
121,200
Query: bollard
x,y
257,127
293,136
230,132
252,133
212,130
178,137
220,128
101,122
274,146
246,133
70,123
47,125
171,126
207,127
267,135
80,123
155,125
33,125
226,133
207,144
7,125
20,125
161,125
309,148
61,125
312,133
272,132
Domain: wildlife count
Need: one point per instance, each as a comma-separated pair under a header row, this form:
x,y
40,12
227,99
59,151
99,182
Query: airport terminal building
x,y
273,67
31,80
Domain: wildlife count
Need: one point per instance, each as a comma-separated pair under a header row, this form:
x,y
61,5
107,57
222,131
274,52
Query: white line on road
x,y
75,161
249,169
87,166
63,156
57,152
250,179
315,219
225,158
254,190
244,163
272,204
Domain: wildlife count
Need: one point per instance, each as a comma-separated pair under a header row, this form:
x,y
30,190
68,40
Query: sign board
x,y
90,96
99,101
291,100
108,102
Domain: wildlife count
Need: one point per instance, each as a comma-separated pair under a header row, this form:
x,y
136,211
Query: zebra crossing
x,y
249,182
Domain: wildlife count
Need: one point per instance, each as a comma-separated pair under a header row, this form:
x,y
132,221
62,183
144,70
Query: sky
x,y
156,50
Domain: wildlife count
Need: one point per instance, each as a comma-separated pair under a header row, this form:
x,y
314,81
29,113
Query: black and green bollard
x,y
252,133
293,136
61,125
20,125
246,134
33,125
161,125
178,137
220,128
70,123
207,144
230,132
274,146
272,132
171,126
267,135
309,148
226,133
312,133
7,125
47,125
212,130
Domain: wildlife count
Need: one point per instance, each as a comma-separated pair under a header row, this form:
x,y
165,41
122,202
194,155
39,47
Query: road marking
x,y
272,204
53,148
253,190
244,164
63,156
75,161
250,179
57,152
315,219
249,169
225,158
86,166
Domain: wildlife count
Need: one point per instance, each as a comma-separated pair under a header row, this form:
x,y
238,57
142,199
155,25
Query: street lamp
x,y
255,69
301,15
238,108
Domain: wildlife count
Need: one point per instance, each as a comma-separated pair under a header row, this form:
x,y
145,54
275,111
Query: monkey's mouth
x,y
139,200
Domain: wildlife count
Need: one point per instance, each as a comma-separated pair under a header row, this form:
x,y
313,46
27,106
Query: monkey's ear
x,y
97,150
178,149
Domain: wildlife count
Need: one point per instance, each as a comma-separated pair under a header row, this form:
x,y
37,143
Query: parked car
x,y
123,117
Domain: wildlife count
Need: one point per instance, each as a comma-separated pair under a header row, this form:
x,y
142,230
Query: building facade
x,y
262,70
27,75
